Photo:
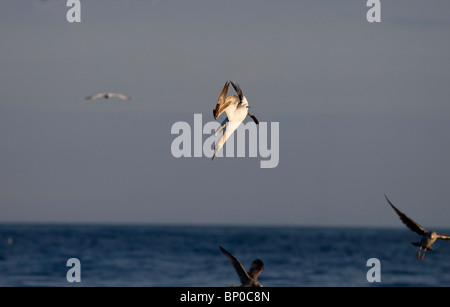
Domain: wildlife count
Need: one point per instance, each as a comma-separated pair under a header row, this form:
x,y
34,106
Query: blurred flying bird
x,y
108,96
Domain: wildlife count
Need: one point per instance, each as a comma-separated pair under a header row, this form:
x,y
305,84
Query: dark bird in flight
x,y
248,279
428,237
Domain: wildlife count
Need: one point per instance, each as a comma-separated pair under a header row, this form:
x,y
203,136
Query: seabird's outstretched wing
x,y
120,96
256,268
243,276
222,102
408,221
95,96
443,237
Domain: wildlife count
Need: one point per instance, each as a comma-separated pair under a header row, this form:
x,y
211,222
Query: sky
x,y
363,111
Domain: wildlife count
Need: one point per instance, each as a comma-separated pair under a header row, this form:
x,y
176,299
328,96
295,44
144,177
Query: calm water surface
x,y
36,255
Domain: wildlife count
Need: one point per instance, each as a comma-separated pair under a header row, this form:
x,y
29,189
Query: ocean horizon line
x,y
199,225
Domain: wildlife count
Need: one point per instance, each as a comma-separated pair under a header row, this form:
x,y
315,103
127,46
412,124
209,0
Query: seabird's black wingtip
x,y
387,199
390,202
238,90
236,86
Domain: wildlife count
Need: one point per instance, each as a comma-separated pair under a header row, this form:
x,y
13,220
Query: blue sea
x,y
189,256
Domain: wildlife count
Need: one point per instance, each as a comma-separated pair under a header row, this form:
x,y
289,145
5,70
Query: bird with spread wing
x,y
248,279
236,109
428,237
108,96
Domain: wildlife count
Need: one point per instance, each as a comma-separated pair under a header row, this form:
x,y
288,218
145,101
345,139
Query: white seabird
x,y
428,237
248,279
108,96
236,108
